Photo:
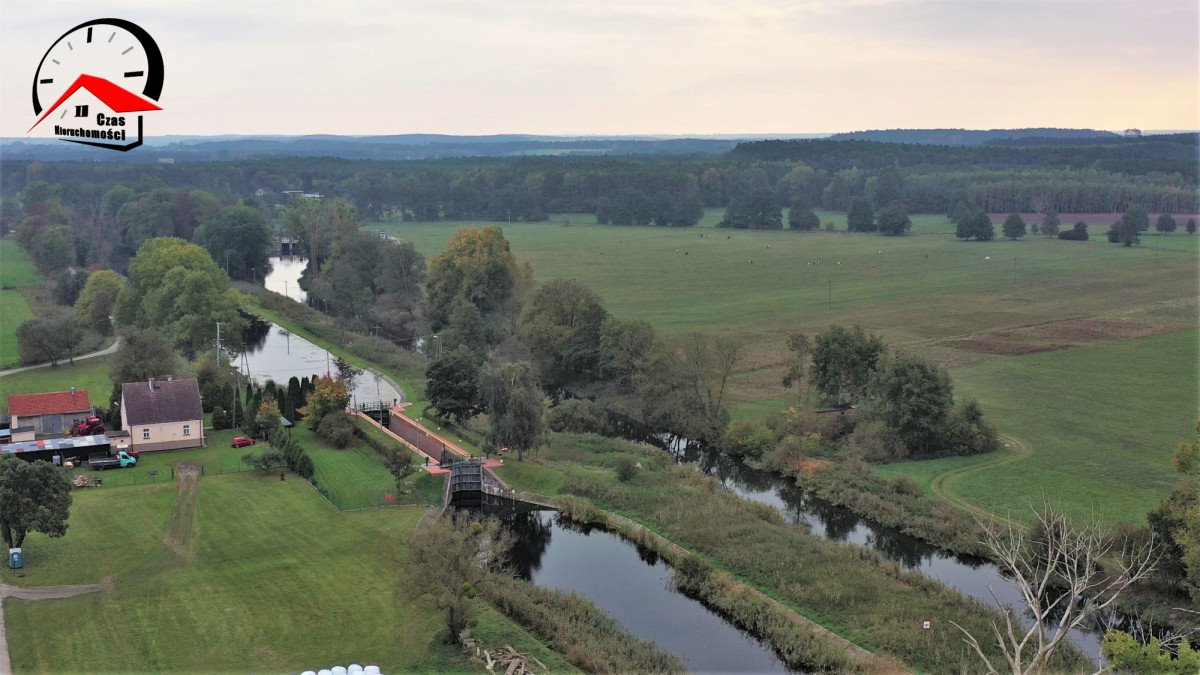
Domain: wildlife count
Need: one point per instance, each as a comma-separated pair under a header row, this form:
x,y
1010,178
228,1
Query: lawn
x,y
90,375
15,311
269,578
16,271
1101,423
355,476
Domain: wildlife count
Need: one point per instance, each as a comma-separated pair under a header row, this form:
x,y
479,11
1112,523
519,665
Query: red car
x,y
241,442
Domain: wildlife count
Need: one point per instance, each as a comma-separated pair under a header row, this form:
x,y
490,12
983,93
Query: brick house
x,y
162,415
48,413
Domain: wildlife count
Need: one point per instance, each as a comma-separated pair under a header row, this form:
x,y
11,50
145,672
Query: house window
x,y
187,430
145,434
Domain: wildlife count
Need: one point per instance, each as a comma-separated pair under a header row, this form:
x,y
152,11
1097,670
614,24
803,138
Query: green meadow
x,y
1101,423
1019,323
16,271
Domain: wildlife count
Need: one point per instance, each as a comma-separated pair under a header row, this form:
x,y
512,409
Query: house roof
x,y
159,402
118,100
48,403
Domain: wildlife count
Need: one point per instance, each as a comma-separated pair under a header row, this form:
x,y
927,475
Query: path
x,y
34,594
111,349
181,535
942,483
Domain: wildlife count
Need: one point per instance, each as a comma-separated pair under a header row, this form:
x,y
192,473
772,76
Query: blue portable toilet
x,y
15,561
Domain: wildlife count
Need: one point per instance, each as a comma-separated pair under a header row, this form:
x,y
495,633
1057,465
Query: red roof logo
x,y
116,98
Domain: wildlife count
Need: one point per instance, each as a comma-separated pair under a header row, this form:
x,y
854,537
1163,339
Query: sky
x,y
675,67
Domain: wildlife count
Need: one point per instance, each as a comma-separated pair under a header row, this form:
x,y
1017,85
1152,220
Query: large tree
x,y
914,398
49,339
893,220
842,362
142,355
450,561
453,383
97,300
1176,522
561,326
515,407
34,497
1165,223
1050,223
476,267
176,288
238,240
803,218
758,210
317,224
1014,226
860,217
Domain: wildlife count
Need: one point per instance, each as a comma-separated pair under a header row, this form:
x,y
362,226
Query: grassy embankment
x,y
16,271
1046,303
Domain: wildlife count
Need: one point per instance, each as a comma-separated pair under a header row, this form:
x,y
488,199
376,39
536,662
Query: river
x,y
970,576
633,587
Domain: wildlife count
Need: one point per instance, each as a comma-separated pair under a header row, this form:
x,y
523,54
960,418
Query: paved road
x,y
43,593
112,349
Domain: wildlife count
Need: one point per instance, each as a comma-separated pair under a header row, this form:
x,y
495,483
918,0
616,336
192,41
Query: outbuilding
x,y
53,412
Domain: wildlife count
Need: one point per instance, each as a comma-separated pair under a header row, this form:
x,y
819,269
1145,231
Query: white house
x,y
162,415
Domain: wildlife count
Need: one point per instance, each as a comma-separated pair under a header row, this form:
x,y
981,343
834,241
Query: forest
x,y
1102,176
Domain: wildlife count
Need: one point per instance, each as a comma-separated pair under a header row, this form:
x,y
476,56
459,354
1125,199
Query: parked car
x,y
241,442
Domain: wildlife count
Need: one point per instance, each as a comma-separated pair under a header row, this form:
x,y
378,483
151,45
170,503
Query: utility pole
x,y
218,344
830,301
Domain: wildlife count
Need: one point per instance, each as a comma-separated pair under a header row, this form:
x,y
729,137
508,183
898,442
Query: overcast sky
x,y
640,66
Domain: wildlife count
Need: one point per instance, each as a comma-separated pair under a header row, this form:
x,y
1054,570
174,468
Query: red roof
x,y
117,99
49,403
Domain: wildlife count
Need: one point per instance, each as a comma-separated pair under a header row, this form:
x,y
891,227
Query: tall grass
x,y
576,628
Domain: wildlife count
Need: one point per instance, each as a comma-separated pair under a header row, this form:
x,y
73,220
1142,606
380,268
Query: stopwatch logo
x,y
96,77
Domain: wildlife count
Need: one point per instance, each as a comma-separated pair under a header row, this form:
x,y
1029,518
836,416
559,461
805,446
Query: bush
x,y
269,460
905,485
744,438
627,468
337,429
578,416
1078,233
220,419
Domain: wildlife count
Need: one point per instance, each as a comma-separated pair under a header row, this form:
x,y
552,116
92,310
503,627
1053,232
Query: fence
x,y
351,499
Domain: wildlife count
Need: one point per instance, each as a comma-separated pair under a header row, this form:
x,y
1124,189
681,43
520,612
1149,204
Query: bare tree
x,y
1056,568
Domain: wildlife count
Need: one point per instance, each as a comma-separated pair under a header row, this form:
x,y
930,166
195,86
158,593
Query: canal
x,y
634,587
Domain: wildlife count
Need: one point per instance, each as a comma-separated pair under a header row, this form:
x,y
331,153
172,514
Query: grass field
x,y
245,573
90,375
1102,422
15,311
16,271
987,310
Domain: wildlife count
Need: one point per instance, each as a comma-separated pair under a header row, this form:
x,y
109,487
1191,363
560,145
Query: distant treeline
x,y
1159,173
972,136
